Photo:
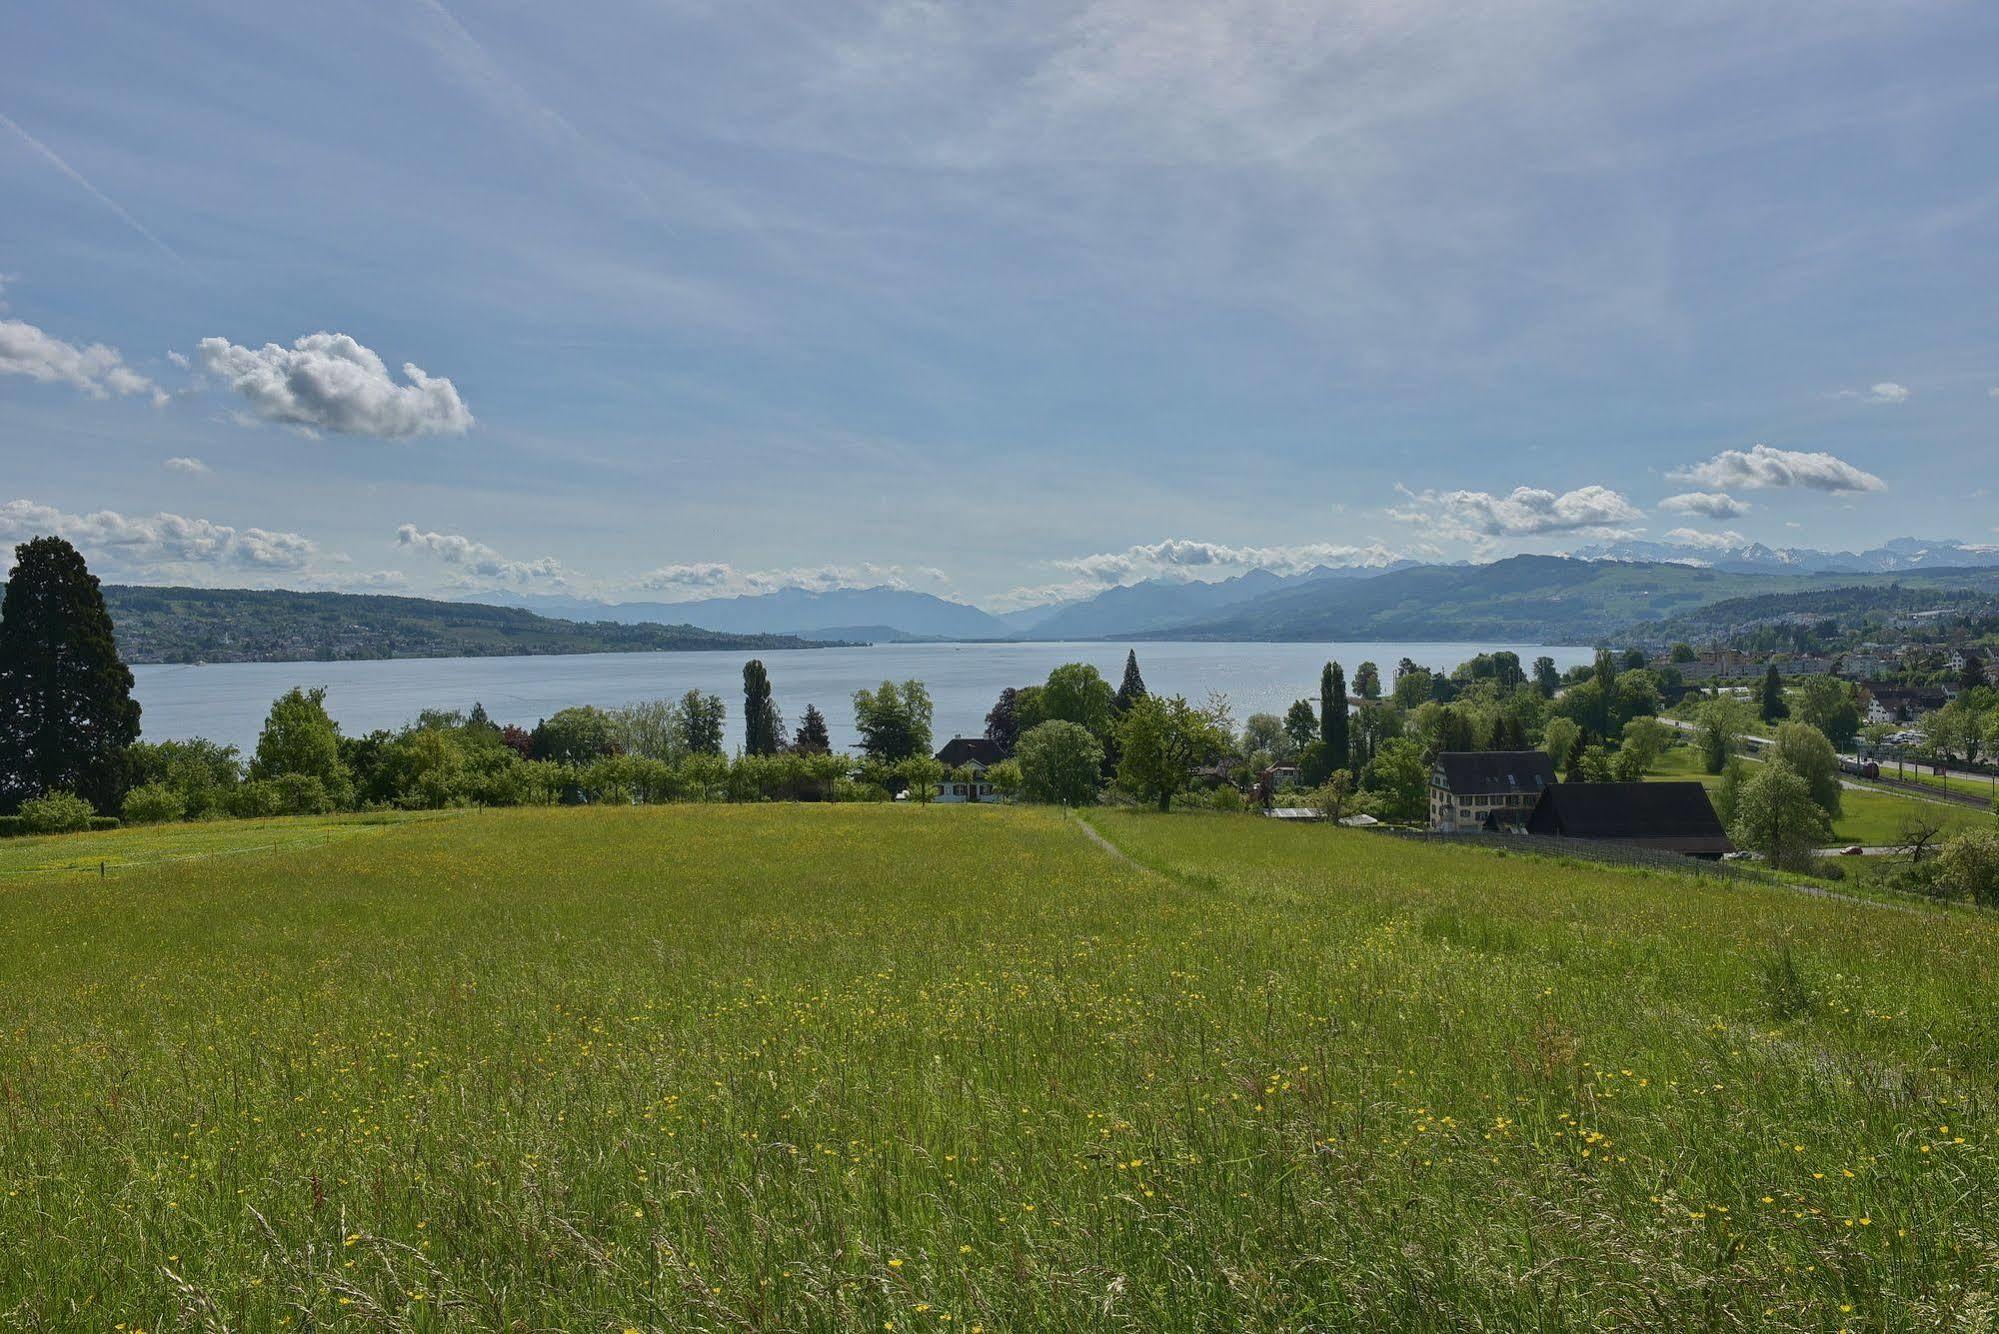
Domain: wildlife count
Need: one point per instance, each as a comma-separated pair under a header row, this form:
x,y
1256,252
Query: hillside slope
x,y
256,625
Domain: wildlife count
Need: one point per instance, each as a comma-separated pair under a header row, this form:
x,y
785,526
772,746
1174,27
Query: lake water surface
x,y
227,701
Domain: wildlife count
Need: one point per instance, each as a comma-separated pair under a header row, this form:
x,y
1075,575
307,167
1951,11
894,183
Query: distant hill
x,y
1547,599
157,625
1156,604
789,611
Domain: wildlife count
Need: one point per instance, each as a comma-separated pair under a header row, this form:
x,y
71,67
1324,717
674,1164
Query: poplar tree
x,y
763,729
1333,720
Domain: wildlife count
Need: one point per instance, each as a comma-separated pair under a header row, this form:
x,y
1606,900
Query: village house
x,y
1486,789
1864,667
965,760
1664,817
1900,704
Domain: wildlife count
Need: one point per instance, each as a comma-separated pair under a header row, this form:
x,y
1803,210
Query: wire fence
x,y
1581,849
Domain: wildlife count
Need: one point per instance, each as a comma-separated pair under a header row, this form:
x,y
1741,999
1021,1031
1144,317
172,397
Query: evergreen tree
x,y
1301,724
1773,707
1333,718
66,707
763,728
1132,688
812,738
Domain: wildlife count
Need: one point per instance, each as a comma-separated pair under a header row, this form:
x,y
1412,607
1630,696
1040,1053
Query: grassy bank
x,y
952,1069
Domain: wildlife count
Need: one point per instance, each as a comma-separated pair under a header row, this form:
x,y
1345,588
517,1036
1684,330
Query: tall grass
x,y
954,1069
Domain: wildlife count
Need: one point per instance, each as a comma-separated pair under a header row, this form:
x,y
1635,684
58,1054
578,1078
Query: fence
x,y
1582,849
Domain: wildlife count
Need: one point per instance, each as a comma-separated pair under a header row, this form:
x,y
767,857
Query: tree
x,y
1634,660
1334,721
1367,681
1301,724
812,737
1132,688
649,728
1770,705
1560,739
1003,721
894,721
701,719
763,726
1161,741
1400,780
920,775
1728,791
1776,816
569,736
1828,703
299,739
1546,679
1684,653
1061,764
1590,764
1919,834
1968,866
1412,687
1955,731
1972,675
1645,740
1338,797
1074,692
1265,732
1718,727
66,707
1374,722
1811,757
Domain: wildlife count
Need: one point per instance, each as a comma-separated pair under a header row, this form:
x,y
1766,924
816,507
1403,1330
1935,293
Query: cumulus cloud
x,y
1590,511
1713,504
1763,467
158,545
330,382
1693,537
192,467
704,579
1885,392
96,369
476,562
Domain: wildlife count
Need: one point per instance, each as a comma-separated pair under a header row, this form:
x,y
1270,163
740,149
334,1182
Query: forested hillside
x,y
254,625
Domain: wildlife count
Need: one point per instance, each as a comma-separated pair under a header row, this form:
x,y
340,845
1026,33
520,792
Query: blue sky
x,y
1003,302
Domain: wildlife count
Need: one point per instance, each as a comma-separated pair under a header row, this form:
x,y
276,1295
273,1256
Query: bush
x,y
154,803
1967,869
304,794
56,813
255,799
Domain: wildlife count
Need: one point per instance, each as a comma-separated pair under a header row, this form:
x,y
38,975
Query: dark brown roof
x,y
961,750
1487,773
1674,816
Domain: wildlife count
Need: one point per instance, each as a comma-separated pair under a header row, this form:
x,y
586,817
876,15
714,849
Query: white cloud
x,y
1713,504
160,545
330,382
96,369
1885,392
705,579
192,467
1181,556
1763,467
1590,511
1693,537
477,562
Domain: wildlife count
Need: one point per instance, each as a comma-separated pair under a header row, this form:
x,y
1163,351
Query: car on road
x,y
1855,851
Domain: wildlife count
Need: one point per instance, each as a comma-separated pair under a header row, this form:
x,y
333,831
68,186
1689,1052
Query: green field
x,y
865,1067
1873,818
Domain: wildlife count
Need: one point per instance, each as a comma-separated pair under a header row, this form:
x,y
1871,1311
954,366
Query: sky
x,y
1004,302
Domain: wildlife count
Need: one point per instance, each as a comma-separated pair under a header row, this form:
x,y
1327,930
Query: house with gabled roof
x,y
1664,817
1473,790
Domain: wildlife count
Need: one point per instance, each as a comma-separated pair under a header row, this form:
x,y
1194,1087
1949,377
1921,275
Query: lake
x,y
227,701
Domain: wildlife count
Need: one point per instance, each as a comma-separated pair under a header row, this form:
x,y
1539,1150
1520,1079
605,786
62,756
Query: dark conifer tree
x,y
1132,689
66,709
1003,721
812,738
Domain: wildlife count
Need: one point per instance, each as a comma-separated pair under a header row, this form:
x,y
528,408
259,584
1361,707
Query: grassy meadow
x,y
871,1067
1873,817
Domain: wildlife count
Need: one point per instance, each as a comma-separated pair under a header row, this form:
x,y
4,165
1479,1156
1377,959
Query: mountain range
x,y
1599,591
1903,553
